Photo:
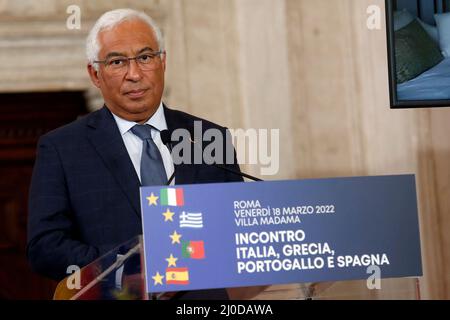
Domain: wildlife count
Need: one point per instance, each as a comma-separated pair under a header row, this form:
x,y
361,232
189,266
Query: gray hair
x,y
111,19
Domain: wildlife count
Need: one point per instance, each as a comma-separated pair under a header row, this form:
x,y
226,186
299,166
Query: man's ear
x,y
94,75
164,56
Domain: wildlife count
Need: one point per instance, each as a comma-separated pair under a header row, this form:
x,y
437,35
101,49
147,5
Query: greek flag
x,y
191,220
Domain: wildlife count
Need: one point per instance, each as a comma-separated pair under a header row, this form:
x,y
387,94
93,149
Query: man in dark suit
x,y
84,196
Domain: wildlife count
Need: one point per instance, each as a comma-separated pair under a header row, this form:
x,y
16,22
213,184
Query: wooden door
x,y
24,117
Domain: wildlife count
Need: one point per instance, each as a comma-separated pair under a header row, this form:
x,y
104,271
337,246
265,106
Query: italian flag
x,y
177,276
172,197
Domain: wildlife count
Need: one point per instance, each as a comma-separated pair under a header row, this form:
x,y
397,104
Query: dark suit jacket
x,y
84,194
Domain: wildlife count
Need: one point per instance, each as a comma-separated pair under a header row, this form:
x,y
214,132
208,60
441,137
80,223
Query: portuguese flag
x,y
193,249
172,197
177,276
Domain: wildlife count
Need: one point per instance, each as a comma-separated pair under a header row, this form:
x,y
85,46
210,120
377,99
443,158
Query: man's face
x,y
132,94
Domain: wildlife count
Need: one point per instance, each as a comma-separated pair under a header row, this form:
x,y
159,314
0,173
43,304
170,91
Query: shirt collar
x,y
158,120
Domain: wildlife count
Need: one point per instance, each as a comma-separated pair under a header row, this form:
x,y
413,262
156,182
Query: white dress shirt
x,y
134,144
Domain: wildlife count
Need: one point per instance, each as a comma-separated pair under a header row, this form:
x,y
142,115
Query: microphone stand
x,y
167,141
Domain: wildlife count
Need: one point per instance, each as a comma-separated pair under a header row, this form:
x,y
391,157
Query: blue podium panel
x,y
276,232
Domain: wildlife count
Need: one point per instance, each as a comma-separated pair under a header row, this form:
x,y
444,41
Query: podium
x,y
119,275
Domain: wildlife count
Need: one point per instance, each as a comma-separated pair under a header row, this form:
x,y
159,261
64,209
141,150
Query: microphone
x,y
166,138
242,174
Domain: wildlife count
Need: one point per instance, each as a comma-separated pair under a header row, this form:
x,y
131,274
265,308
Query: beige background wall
x,y
308,67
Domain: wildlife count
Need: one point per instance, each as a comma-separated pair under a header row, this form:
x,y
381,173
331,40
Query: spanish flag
x,y
177,276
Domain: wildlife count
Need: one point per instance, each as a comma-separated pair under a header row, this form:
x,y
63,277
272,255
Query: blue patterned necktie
x,y
152,166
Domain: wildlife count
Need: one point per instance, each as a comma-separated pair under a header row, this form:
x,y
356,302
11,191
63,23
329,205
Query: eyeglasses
x,y
146,61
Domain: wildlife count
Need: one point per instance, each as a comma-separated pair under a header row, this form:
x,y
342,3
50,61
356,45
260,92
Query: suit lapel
x,y
106,139
184,173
